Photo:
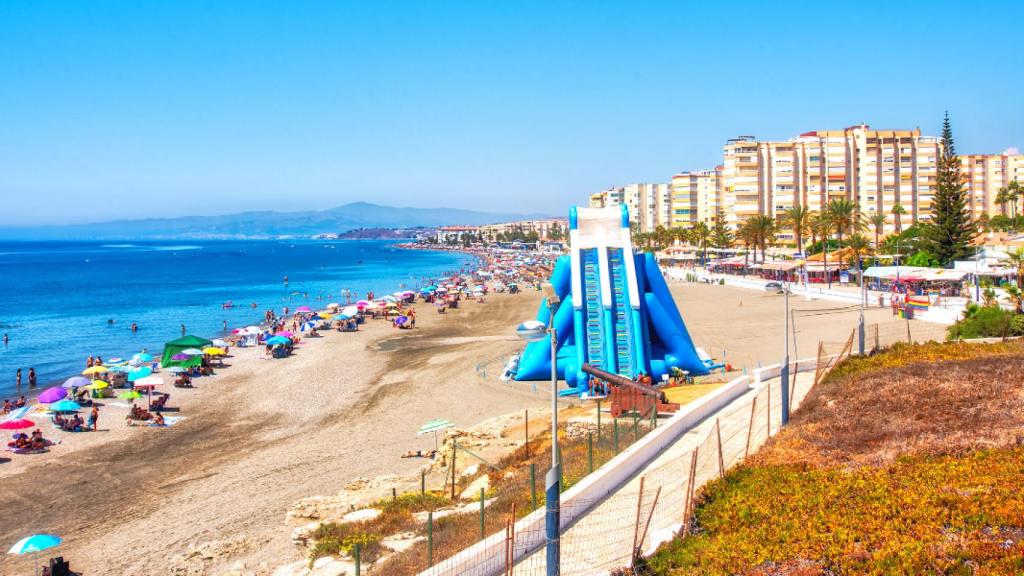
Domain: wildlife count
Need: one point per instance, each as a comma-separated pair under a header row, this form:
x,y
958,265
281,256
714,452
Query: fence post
x,y
430,539
639,505
909,339
750,427
526,422
721,460
615,436
769,408
817,368
878,345
394,494
423,482
689,490
512,540
482,497
599,419
590,452
647,524
533,485
355,554
454,444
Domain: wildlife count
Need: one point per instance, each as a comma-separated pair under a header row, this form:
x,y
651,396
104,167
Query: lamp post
x,y
534,331
784,373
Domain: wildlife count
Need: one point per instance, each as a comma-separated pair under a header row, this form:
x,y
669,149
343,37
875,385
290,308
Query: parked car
x,y
773,287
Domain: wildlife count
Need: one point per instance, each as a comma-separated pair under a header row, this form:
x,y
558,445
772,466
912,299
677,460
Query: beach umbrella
x,y
130,395
180,357
303,309
148,381
142,357
192,352
333,305
276,340
139,374
76,382
34,544
401,320
369,306
350,311
16,414
97,385
344,317
52,394
285,333
64,406
431,288
362,302
115,360
94,370
392,304
174,369
408,293
120,369
389,299
16,424
219,343
308,325
213,351
434,426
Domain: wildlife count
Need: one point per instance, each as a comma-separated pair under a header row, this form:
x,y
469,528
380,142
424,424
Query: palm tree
x,y
797,218
859,247
1002,199
877,221
845,217
1017,260
699,235
765,230
745,234
1017,297
821,224
897,211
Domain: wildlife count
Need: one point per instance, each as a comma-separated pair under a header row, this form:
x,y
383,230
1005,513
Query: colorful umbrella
x,y
180,357
120,369
401,320
148,381
142,357
97,385
64,406
174,369
211,351
33,544
219,343
303,309
276,340
285,333
16,424
130,395
115,360
362,303
52,394
350,311
94,370
76,382
434,426
192,352
139,374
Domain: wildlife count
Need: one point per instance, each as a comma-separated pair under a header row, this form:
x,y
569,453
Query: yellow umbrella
x,y
95,370
211,351
97,385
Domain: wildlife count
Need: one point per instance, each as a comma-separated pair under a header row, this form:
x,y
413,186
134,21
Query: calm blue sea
x,y
56,297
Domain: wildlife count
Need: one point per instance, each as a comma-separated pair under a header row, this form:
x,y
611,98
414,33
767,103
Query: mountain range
x,y
264,223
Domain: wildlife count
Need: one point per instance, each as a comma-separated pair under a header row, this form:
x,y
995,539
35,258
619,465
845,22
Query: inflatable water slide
x,y
615,311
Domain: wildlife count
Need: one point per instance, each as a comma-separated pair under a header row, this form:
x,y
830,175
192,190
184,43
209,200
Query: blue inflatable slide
x,y
615,311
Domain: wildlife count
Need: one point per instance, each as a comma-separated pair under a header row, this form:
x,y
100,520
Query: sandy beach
x,y
214,489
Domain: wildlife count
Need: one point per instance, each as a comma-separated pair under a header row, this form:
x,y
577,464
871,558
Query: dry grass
x,y
683,395
931,398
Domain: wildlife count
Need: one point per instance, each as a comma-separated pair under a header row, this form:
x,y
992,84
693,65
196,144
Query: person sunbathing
x,y
159,403
158,420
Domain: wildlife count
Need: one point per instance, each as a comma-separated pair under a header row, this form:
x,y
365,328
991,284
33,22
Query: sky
x,y
133,109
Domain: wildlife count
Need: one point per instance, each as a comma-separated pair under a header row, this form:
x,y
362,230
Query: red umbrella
x,y
17,424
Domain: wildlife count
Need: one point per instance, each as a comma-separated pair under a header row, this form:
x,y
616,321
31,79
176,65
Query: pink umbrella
x,y
284,333
303,309
363,303
17,424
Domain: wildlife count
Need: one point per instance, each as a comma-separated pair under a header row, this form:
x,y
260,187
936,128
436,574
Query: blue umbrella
x,y
142,357
139,374
64,406
35,543
274,341
123,369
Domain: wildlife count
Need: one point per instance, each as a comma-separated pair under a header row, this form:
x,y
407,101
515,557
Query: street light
x,y
534,331
785,363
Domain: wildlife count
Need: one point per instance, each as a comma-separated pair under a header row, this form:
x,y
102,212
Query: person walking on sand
x,y
31,377
94,417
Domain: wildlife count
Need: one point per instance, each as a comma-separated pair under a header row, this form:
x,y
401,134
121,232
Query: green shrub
x,y
984,322
413,502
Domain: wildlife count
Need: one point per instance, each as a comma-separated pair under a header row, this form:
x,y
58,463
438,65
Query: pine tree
x,y
721,235
948,236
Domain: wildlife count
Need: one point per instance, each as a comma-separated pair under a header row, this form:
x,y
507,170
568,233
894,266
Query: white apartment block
x,y
985,174
696,197
650,205
874,168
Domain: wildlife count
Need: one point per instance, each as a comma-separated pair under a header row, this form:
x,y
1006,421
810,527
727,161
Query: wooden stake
x,y
750,427
721,460
639,505
643,536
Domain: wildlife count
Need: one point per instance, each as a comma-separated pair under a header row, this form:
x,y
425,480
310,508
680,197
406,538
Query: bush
x,y
413,502
985,322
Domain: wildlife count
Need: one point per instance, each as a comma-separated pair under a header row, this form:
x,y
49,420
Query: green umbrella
x,y
434,426
129,395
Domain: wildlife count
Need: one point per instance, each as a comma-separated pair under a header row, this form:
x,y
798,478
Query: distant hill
x,y
264,223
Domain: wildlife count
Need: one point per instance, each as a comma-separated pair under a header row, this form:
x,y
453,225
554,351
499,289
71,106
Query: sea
x,y
61,302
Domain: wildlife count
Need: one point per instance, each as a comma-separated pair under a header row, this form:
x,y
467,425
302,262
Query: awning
x,y
782,266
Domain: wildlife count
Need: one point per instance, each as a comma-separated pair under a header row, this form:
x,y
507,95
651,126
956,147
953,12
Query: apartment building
x,y
985,174
696,197
650,205
874,168
543,228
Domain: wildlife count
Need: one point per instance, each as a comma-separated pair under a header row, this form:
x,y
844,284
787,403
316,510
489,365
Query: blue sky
x,y
127,109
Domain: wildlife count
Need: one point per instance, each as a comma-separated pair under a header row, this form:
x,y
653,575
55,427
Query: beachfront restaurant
x,y
915,280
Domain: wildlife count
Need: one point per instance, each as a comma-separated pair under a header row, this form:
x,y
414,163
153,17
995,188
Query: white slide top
x,y
598,227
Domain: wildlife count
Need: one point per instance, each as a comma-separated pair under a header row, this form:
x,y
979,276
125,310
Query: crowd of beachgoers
x,y
137,385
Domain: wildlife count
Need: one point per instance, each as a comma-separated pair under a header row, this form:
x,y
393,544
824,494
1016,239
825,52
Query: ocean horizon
x,y
63,301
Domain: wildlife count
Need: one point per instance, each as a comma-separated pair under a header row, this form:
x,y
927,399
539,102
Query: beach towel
x,y
168,422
